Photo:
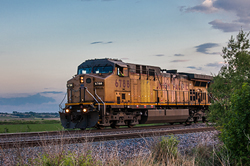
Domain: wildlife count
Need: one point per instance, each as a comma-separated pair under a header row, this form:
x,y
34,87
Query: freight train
x,y
111,93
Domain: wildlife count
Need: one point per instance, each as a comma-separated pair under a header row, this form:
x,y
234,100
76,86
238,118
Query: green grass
x,y
15,128
29,122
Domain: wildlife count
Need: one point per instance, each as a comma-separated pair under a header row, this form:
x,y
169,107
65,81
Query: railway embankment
x,y
120,150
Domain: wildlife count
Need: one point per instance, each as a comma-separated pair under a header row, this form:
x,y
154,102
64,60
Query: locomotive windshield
x,y
85,70
103,69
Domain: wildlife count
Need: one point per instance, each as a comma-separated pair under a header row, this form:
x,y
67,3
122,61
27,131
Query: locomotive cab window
x,y
122,71
102,69
85,70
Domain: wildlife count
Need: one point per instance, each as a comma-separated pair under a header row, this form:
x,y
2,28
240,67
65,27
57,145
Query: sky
x,y
43,41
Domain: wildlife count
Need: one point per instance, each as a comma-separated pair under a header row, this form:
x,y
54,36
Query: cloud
x,y
228,27
124,58
178,55
216,64
203,48
239,7
51,92
193,67
31,99
101,42
206,7
179,60
159,55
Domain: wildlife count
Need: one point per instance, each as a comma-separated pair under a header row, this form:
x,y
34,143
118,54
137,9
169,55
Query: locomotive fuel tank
x,y
167,115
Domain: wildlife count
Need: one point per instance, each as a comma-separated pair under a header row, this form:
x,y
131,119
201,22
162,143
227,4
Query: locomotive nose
x,y
82,121
81,110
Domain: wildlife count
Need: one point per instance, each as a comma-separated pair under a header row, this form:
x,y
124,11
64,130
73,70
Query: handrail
x,y
60,105
171,90
93,98
179,93
104,108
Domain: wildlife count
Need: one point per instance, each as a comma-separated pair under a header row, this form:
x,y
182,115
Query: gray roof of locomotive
x,y
132,67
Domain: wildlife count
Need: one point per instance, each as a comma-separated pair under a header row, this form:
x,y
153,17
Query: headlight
x,y
84,110
67,110
81,80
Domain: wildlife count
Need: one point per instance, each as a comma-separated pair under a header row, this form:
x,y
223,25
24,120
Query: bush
x,y
166,148
65,159
208,155
236,129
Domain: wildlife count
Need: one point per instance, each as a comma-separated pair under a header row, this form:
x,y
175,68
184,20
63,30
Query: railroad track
x,y
71,132
83,139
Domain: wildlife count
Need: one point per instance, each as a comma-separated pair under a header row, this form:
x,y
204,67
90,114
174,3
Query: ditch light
x,y
67,110
85,110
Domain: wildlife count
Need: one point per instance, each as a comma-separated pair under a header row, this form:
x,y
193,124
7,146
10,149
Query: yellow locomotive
x,y
109,92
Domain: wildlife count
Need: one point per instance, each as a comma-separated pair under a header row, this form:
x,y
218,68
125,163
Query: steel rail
x,y
83,139
92,130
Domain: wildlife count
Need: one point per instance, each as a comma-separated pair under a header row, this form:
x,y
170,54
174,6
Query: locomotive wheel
x,y
101,127
114,126
204,119
130,126
195,120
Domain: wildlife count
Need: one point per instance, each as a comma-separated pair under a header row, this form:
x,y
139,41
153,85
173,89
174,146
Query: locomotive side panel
x,y
134,92
118,88
144,82
181,90
198,92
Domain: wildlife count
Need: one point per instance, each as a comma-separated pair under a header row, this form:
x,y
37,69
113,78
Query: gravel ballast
x,y
119,149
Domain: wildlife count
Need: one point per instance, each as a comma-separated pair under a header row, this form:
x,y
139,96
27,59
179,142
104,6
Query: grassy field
x,y
31,125
15,128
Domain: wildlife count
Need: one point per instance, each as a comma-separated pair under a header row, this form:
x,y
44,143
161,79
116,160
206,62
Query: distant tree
x,y
230,90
